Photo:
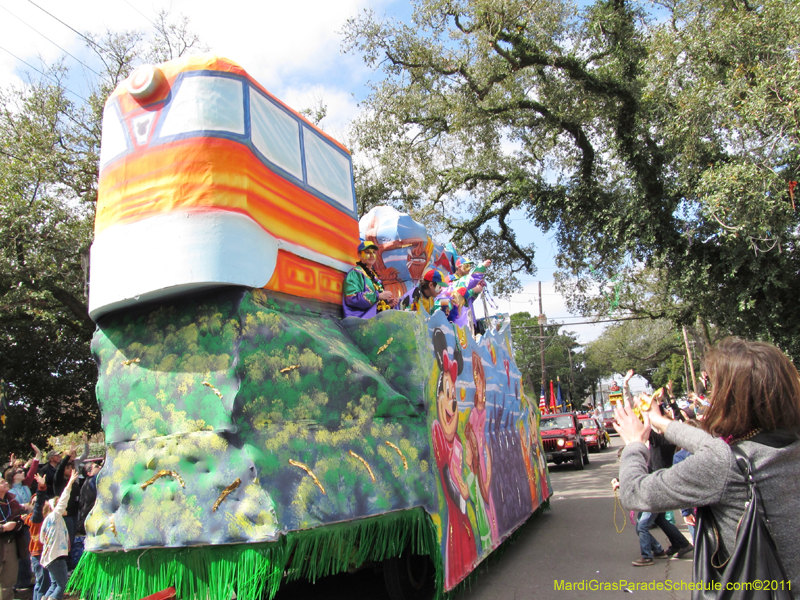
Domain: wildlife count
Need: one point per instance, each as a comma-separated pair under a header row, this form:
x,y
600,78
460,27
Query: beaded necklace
x,y
377,283
4,516
730,440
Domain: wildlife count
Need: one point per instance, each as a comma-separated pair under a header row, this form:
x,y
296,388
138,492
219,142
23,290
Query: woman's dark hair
x,y
754,385
440,347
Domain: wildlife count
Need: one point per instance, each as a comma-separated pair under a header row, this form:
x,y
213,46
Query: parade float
x,y
253,435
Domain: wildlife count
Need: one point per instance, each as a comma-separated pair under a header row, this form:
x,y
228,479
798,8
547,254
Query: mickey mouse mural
x,y
460,551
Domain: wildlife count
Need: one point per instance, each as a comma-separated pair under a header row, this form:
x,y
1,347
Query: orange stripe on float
x,y
300,277
218,174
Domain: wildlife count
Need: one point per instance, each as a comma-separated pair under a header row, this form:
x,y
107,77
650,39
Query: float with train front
x,y
253,434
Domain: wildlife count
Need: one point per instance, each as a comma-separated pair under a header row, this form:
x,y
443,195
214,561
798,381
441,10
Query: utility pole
x,y
541,332
571,379
691,362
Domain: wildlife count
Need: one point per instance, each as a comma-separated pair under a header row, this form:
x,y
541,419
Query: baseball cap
x,y
367,244
434,276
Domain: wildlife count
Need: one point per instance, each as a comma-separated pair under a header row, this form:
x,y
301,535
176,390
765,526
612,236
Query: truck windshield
x,y
556,423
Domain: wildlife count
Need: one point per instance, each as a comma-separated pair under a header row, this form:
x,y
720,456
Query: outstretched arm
x,y
41,498
63,499
626,388
34,469
79,460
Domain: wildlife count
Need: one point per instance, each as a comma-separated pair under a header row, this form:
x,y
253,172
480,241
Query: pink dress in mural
x,y
460,550
477,419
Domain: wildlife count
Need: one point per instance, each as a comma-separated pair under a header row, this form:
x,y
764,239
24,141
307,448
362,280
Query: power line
x,y
51,41
44,75
581,317
580,323
90,42
141,13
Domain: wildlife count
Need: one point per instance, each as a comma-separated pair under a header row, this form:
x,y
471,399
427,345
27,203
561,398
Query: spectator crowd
x,y
43,508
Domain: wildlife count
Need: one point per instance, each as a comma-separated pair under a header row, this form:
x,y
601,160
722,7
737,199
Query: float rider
x,y
469,284
424,295
453,302
363,294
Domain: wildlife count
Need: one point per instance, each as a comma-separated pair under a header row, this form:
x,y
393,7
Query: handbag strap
x,y
743,462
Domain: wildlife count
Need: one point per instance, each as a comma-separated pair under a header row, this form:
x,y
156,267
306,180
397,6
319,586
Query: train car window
x,y
275,134
328,170
114,142
204,103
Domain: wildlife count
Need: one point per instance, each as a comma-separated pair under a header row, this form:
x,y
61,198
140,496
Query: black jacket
x,y
49,472
60,482
88,497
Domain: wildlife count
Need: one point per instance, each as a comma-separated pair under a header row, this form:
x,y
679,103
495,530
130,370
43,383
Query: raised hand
x,y
628,425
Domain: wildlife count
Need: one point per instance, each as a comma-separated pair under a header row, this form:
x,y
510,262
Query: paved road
x,y
574,541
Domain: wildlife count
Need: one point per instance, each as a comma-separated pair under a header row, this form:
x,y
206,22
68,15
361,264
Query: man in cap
x,y
424,295
49,471
363,294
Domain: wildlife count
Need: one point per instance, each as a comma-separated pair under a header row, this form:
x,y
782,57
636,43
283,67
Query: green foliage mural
x,y
236,417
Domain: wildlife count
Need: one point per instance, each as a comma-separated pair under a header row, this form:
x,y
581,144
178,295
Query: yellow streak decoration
x,y
396,449
386,345
163,473
225,494
213,389
292,368
371,474
131,361
294,463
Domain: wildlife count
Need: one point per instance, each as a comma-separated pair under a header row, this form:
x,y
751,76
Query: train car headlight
x,y
144,81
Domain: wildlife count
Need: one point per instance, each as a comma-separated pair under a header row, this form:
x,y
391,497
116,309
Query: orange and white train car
x,y
206,180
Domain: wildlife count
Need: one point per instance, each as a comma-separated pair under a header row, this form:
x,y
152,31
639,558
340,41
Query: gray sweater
x,y
710,477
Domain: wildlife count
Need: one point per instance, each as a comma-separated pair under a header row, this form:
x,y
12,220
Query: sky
x,y
294,49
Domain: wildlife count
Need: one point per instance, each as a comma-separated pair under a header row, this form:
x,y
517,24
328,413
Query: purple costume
x,y
359,296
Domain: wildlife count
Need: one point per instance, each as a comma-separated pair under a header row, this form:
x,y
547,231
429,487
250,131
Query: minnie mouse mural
x,y
460,550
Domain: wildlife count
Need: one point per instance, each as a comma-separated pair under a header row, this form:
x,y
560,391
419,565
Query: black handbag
x,y
753,571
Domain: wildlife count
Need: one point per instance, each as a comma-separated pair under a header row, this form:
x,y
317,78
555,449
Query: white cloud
x,y
283,45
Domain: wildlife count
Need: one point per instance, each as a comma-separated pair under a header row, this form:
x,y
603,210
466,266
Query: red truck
x,y
562,440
